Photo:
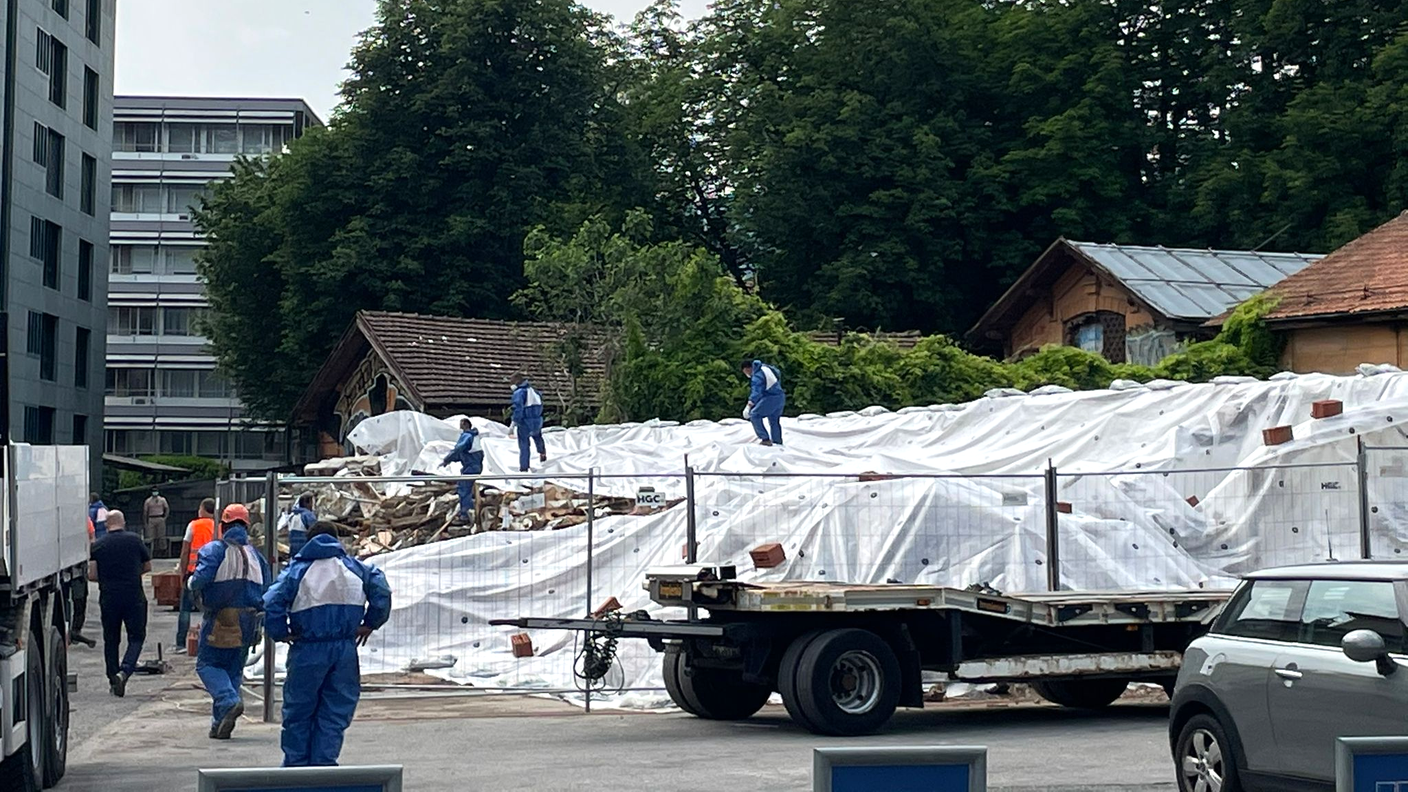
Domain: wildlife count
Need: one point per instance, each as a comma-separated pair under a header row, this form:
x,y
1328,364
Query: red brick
x,y
1064,507
1277,435
1193,500
1327,408
768,555
610,606
522,645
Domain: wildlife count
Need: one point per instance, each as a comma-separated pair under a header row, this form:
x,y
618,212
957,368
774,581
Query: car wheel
x,y
1205,758
848,682
1081,693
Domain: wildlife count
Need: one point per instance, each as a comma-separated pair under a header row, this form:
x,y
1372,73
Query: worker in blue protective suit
x,y
325,604
528,420
469,452
766,401
230,580
301,518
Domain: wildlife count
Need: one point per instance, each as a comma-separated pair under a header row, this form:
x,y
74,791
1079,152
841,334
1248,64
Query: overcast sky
x,y
294,48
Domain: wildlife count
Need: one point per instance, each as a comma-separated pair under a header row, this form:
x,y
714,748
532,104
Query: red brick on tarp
x,y
1064,507
768,555
1193,500
1326,408
609,606
1277,435
522,645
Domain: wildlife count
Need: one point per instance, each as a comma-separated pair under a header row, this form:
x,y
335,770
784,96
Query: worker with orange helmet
x,y
231,577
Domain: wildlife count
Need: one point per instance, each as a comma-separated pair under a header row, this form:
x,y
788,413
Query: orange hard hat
x,y
235,512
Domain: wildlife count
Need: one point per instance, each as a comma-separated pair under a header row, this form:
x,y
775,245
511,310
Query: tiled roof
x,y
1184,283
449,361
1368,275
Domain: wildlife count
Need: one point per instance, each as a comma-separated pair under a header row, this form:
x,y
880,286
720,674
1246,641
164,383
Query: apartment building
x,y
163,393
57,58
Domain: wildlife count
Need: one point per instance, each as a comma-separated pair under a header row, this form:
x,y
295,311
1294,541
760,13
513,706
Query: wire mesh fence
x,y
562,546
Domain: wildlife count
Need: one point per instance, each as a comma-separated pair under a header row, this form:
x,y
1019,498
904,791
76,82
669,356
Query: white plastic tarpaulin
x,y
972,509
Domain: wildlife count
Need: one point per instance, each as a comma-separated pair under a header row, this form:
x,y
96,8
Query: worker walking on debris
x,y
528,420
119,560
325,604
766,401
469,452
230,579
199,533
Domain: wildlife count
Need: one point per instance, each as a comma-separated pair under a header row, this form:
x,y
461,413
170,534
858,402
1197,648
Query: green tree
x,y
464,124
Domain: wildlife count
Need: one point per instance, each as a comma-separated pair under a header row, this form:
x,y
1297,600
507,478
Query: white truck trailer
x,y
43,556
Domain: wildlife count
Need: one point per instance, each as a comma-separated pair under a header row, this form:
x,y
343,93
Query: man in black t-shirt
x,y
119,560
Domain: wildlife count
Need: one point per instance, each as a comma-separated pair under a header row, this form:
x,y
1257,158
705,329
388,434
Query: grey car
x,y
1298,657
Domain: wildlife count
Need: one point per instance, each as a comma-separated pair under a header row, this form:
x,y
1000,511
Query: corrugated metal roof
x,y
1193,284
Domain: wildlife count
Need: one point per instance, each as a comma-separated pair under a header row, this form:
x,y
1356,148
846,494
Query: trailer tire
x,y
17,772
787,679
673,668
848,682
721,695
1081,693
57,710
23,771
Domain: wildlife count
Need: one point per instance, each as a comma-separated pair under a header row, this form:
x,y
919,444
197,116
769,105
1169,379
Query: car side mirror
x,y
1367,646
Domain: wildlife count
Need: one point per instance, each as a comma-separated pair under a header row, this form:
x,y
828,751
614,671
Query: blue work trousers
x,y
321,692
767,427
183,621
466,490
221,671
123,612
533,434
296,540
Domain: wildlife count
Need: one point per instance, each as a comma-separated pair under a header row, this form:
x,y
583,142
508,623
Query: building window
x,y
80,357
177,321
181,200
80,429
181,260
129,382
88,194
1101,332
91,90
51,57
49,155
131,321
60,7
183,138
222,139
85,270
45,244
135,136
136,198
133,259
178,383
39,425
93,22
210,385
42,342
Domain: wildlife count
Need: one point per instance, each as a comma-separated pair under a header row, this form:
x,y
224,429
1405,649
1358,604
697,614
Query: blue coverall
x,y
225,578
303,519
528,418
100,527
469,452
768,401
318,603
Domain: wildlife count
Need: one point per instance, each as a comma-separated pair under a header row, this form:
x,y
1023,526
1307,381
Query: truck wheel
x,y
56,747
848,682
1081,693
714,694
17,772
673,667
787,678
23,771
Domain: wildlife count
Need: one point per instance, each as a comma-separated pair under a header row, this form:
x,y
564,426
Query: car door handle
x,y
1288,673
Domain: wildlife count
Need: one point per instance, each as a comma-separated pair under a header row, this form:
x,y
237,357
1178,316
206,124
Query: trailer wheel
x,y
23,771
848,682
673,667
715,694
1081,693
787,678
17,772
56,747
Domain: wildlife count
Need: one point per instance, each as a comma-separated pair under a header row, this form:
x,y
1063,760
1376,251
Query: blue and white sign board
x,y
385,778
901,769
1371,764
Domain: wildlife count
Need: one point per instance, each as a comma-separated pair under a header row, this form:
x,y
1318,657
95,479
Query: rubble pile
x,y
375,518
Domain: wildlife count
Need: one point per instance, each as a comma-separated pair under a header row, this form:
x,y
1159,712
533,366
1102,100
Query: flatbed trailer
x,y
844,657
